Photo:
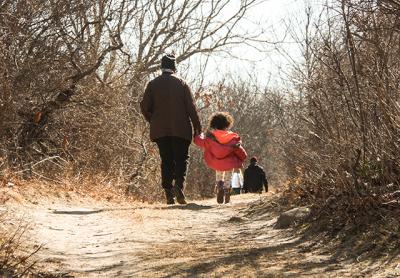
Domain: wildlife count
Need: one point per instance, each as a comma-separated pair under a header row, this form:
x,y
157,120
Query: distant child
x,y
223,152
237,181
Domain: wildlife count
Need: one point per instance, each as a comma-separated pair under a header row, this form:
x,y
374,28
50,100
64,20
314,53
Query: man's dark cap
x,y
168,62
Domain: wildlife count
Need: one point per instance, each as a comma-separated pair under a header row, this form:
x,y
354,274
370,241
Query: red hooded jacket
x,y
222,149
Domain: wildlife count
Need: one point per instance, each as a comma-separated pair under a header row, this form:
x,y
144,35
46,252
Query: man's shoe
x,y
180,197
170,196
220,192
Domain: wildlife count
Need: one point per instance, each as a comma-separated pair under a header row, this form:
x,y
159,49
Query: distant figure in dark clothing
x,y
169,107
254,178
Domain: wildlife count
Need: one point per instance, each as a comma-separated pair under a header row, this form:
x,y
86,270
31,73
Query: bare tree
x,y
72,73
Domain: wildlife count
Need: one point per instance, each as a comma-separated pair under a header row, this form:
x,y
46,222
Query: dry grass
x,y
96,188
15,261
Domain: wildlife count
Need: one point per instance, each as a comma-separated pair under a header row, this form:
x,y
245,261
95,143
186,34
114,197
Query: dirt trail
x,y
201,239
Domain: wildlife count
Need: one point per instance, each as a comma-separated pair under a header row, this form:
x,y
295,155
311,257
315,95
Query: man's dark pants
x,y
174,153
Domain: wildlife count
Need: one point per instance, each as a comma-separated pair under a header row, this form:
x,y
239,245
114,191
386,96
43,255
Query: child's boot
x,y
220,192
227,194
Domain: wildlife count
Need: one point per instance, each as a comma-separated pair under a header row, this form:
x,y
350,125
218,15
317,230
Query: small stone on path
x,y
290,217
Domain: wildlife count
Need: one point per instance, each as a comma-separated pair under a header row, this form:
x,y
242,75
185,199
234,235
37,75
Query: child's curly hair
x,y
221,121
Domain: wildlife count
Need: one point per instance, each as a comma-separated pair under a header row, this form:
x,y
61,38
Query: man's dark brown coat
x,y
169,108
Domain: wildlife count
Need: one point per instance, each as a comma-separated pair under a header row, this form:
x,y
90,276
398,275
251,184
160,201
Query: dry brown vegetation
x,y
72,74
15,261
343,142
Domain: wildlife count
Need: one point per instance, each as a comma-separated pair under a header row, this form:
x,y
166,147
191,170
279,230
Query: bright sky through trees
x,y
269,57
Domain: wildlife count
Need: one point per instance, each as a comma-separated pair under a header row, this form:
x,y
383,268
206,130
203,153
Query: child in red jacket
x,y
223,152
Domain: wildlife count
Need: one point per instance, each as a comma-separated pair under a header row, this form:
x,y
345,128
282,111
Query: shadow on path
x,y
190,206
77,212
249,258
83,211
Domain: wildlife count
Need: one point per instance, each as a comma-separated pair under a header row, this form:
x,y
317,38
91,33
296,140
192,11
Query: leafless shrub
x,y
343,140
14,260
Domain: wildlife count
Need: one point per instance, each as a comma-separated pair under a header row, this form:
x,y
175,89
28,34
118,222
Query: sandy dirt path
x,y
201,239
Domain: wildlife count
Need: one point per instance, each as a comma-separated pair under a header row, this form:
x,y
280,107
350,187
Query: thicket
x,y
343,144
73,72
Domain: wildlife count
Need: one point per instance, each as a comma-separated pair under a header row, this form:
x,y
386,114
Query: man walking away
x,y
169,108
254,178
